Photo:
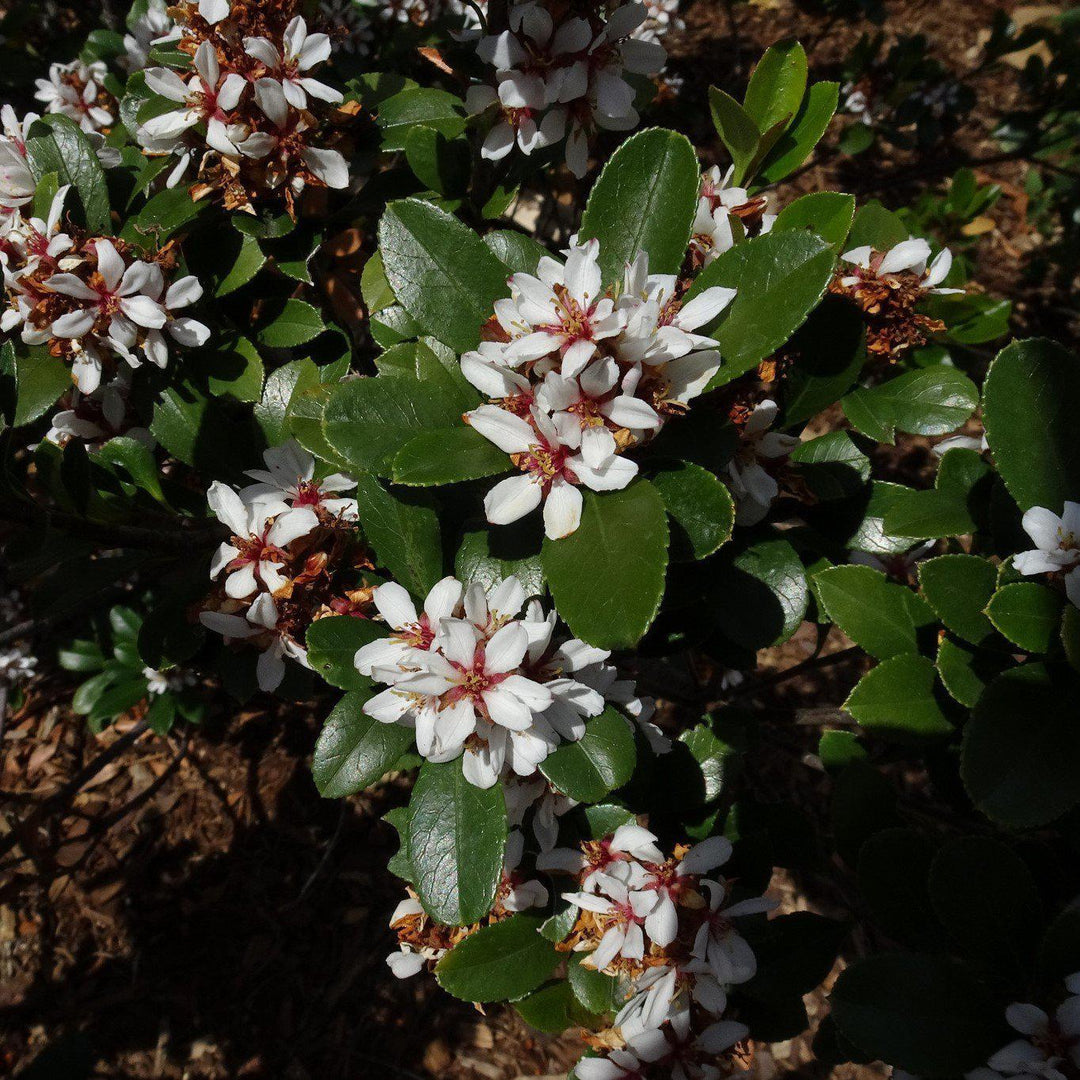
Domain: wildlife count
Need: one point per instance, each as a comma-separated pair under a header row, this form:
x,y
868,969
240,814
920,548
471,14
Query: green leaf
x,y
598,763
248,262
894,869
805,132
924,1014
933,401
737,131
1038,460
432,108
986,898
597,992
367,421
164,214
885,618
958,588
897,700
353,750
863,804
607,578
55,144
877,227
1020,761
40,378
829,214
501,962
202,431
777,85
489,556
441,272
553,1008
448,456
440,163
838,749
456,839
780,278
516,251
1028,614
332,643
403,530
955,507
644,200
700,508
760,595
965,670
832,465
296,324
266,225
281,384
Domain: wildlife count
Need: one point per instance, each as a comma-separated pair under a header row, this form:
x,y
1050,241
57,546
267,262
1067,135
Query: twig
x,y
811,663
330,847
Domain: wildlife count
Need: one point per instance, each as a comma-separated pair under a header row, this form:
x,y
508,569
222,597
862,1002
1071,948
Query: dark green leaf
x,y
598,763
456,840
736,129
777,85
832,465
965,670
958,588
700,508
829,214
796,143
55,144
448,456
40,378
898,700
1028,614
894,868
296,324
332,643
933,401
644,200
354,751
488,556
607,578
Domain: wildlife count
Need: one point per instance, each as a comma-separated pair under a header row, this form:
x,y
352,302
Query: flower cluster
x,y
1057,546
294,556
660,17
152,26
422,942
725,214
670,932
888,285
93,301
77,90
1050,1046
577,375
248,119
562,77
476,678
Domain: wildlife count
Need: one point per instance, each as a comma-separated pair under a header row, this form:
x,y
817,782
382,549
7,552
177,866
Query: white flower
x,y
718,947
753,487
465,682
686,1054
520,894
300,52
1052,1044
72,90
205,97
17,184
618,1065
552,463
261,622
909,256
623,934
153,26
183,329
255,556
289,478
1057,546
214,11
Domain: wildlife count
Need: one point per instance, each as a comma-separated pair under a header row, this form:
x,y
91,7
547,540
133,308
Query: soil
x,y
197,911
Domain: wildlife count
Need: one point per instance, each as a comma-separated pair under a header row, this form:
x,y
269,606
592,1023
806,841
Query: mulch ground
x,y
198,911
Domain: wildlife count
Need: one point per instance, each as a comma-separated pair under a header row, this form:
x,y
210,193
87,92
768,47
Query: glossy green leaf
x,y
933,401
886,619
700,507
737,130
440,163
448,456
332,643
805,132
828,214
516,251
40,378
598,763
489,556
958,588
296,324
441,272
501,962
248,262
832,465
456,839
644,200
55,144
353,750
435,109
403,530
777,85
965,670
1028,614
956,506
899,700
780,278
607,578
1039,460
